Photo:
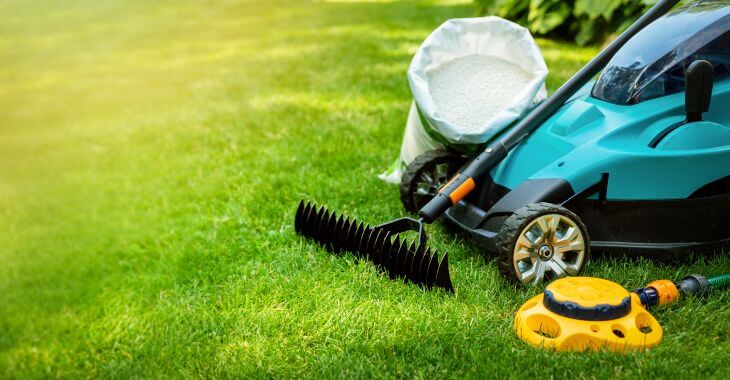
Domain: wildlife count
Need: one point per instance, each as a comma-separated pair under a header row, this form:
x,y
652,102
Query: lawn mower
x,y
636,162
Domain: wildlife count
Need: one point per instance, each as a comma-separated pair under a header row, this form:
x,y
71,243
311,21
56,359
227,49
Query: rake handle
x,y
476,170
464,182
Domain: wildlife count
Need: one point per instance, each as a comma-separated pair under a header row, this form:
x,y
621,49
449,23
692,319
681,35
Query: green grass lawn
x,y
151,159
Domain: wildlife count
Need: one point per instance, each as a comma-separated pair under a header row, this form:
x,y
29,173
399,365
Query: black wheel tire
x,y
427,163
517,222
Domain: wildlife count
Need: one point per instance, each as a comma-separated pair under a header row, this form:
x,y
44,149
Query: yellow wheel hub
x,y
585,313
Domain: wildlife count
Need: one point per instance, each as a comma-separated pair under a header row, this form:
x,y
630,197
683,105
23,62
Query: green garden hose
x,y
720,281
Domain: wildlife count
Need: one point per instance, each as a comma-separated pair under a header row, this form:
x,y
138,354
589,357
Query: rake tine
x,y
360,237
433,265
357,231
309,220
443,279
331,231
370,250
416,265
392,258
322,227
423,268
342,235
335,234
362,241
314,229
329,225
408,264
350,241
309,212
325,228
381,251
303,222
385,253
381,247
402,259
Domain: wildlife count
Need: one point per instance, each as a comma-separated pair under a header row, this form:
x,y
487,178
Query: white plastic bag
x,y
493,36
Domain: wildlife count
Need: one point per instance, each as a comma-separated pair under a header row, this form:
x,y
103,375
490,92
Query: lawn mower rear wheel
x,y
425,175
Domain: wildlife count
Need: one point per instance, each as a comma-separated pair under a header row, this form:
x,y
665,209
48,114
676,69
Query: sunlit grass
x,y
152,154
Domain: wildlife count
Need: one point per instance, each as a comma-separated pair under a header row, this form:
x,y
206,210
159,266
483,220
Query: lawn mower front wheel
x,y
542,241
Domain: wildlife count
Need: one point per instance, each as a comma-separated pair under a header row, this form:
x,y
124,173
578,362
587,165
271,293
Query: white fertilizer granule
x,y
470,90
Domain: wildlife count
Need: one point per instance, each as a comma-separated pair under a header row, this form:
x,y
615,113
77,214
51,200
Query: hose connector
x,y
661,292
694,284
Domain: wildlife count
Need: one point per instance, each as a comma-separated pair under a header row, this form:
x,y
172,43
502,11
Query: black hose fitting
x,y
693,284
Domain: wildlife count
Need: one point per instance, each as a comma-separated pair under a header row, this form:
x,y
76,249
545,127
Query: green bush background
x,y
585,21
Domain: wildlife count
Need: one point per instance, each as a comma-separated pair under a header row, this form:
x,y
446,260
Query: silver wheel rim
x,y
430,181
551,246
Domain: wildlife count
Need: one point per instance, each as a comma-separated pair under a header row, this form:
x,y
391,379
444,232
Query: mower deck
x,y
655,228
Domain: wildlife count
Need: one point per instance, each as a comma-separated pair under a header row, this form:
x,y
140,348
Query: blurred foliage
x,y
585,21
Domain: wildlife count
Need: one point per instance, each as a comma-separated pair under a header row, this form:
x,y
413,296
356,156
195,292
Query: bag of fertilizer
x,y
470,79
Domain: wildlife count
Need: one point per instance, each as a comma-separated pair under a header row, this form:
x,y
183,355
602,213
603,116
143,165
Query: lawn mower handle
x,y
465,181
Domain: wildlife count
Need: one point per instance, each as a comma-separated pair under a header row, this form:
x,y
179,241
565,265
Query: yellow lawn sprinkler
x,y
586,313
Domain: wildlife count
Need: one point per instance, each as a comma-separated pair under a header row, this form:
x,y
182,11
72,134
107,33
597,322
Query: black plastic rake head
x,y
395,256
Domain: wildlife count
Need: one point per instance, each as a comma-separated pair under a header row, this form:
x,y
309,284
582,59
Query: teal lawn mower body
x,y
589,136
615,125
641,156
